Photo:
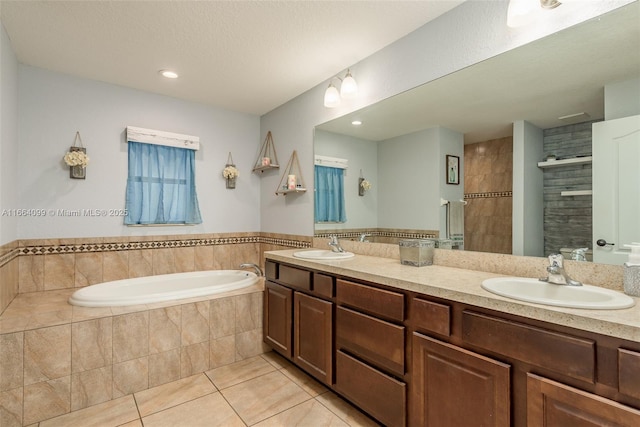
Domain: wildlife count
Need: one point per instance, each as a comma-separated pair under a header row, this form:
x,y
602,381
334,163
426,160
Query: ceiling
x,y
559,75
246,56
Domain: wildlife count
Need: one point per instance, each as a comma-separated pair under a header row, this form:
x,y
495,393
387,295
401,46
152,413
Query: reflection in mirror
x,y
551,91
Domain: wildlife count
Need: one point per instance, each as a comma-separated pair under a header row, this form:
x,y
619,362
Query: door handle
x,y
602,242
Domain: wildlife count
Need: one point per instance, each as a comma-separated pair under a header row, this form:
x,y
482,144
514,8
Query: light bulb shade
x,y
349,87
331,97
521,12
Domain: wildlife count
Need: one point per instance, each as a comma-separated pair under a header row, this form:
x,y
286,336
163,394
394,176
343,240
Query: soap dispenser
x,y
631,278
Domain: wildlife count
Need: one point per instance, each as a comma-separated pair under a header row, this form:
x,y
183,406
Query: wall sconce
x,y
348,90
520,12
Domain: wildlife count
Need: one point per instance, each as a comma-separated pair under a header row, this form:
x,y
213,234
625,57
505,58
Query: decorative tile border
x,y
375,233
494,194
150,244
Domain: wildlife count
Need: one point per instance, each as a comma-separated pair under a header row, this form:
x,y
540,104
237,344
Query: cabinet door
x,y
313,336
455,387
552,404
277,318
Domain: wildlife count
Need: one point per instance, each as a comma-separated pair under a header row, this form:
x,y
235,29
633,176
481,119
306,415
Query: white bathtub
x,y
166,287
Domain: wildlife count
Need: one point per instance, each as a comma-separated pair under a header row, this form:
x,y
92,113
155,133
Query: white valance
x,y
158,137
331,162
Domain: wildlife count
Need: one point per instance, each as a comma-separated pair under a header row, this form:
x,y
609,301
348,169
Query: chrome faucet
x,y
363,237
256,267
557,274
335,244
579,254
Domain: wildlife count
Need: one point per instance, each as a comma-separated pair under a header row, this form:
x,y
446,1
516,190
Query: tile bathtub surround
x,y
97,357
40,265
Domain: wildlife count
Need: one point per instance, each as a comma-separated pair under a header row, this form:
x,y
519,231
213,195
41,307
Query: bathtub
x,y
166,287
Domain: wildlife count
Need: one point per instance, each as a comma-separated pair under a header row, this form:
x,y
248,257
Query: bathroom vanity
x,y
428,347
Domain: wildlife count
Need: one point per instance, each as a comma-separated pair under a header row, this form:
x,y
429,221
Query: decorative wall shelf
x,y
576,193
292,180
267,158
565,162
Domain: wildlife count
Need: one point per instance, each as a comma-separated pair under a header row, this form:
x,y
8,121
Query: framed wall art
x,y
453,170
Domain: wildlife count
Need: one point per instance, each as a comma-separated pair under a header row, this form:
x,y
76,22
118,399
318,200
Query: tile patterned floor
x,y
262,391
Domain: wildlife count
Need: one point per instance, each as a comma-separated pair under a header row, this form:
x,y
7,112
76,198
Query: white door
x,y
616,188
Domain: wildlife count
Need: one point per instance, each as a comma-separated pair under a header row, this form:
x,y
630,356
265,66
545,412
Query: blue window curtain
x,y
161,185
329,196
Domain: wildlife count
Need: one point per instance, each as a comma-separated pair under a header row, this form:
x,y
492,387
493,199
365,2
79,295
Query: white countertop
x,y
464,286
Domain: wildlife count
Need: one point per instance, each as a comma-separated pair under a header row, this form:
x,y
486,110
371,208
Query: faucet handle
x,y
556,259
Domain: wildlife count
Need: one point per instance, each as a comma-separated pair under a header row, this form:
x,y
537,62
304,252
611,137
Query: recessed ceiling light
x,y
356,122
168,74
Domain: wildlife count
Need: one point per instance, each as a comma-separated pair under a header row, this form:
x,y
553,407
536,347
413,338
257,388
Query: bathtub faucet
x,y
256,267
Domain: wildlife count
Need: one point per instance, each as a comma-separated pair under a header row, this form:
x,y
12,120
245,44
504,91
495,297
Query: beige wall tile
x,y
184,259
115,265
164,367
130,336
194,359
222,257
47,400
130,376
140,262
164,329
163,261
222,351
222,317
89,388
31,273
11,357
11,408
248,312
195,323
88,269
59,271
47,354
249,344
203,258
91,344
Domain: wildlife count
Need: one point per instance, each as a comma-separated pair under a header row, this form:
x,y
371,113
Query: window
x,y
161,185
329,195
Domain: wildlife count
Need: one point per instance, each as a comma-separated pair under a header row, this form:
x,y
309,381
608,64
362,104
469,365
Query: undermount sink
x,y
539,292
323,254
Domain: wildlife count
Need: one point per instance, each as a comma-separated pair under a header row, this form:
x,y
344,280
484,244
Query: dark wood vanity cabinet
x,y
297,323
411,359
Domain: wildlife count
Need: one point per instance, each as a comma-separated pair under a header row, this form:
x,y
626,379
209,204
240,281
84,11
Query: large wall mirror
x,y
403,141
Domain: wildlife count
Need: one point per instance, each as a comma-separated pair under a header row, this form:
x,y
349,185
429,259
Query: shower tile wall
x,y
567,219
488,172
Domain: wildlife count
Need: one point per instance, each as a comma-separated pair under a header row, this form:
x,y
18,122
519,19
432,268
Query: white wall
x,y
52,107
469,33
362,211
528,197
409,181
622,99
8,140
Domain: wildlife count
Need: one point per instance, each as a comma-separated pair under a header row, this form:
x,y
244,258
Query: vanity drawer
x,y
271,270
323,285
629,372
376,393
387,304
565,354
295,277
431,316
376,341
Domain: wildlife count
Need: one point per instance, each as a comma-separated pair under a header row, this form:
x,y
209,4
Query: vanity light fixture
x,y
348,90
168,74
